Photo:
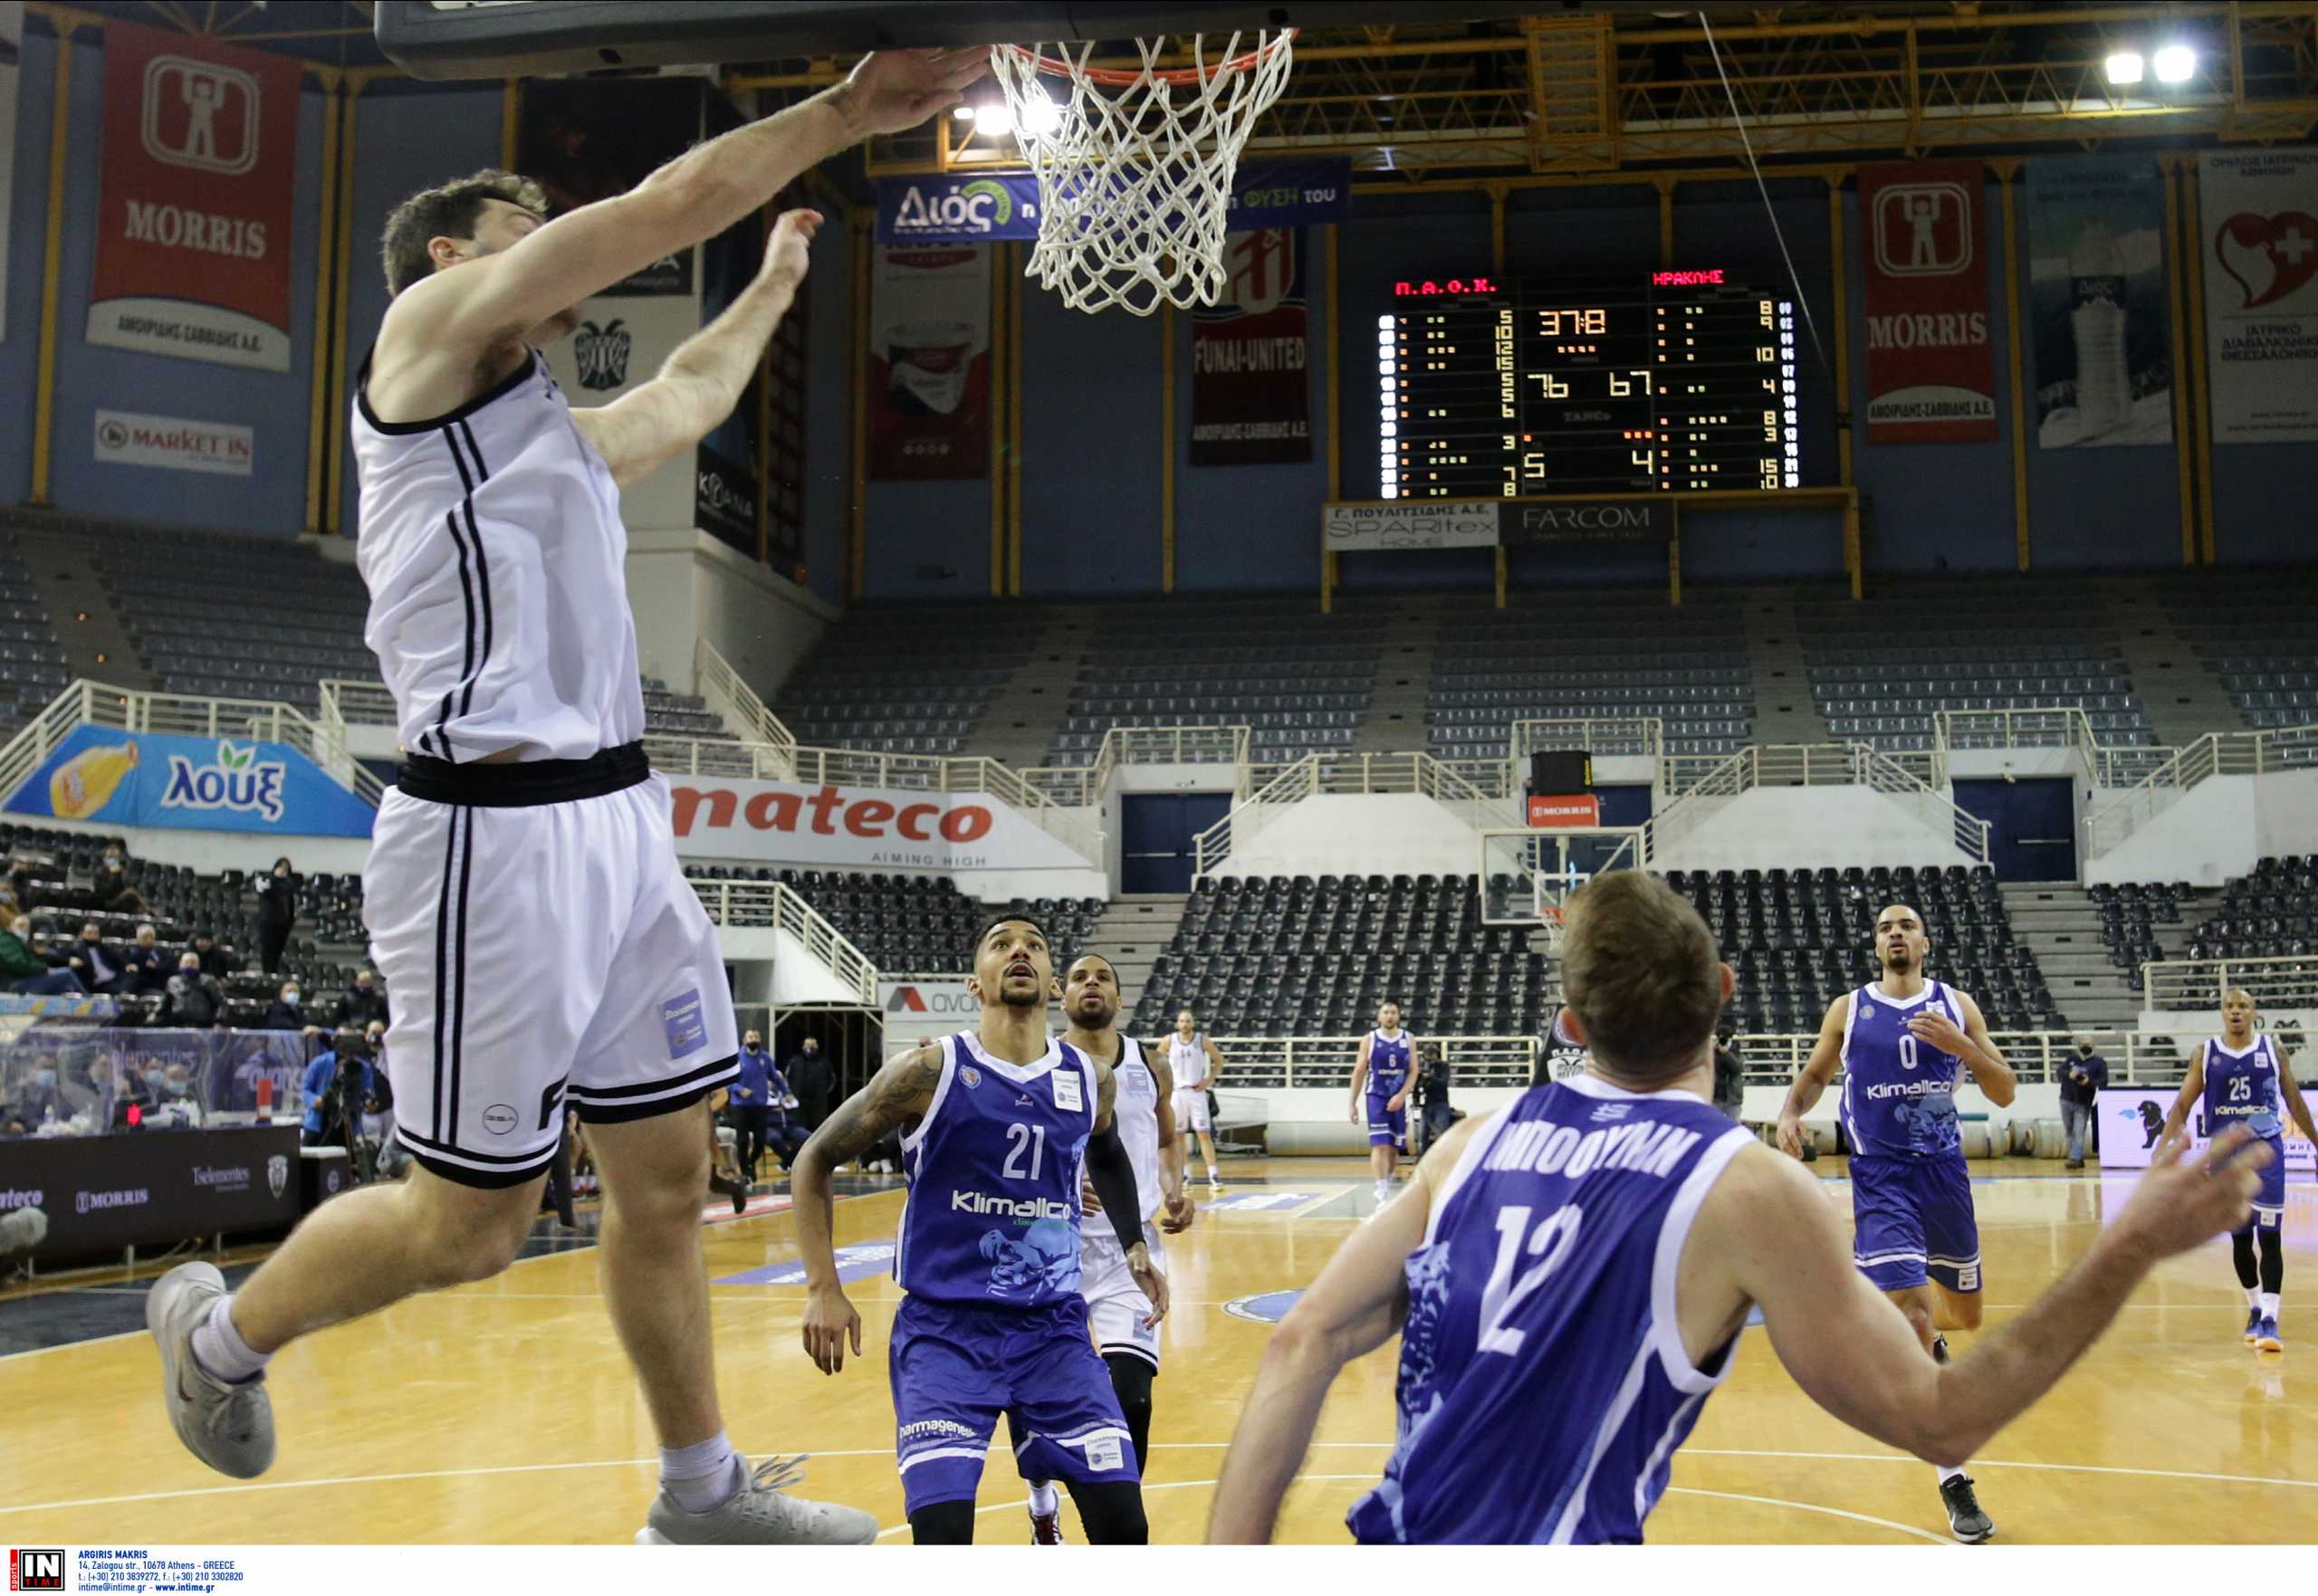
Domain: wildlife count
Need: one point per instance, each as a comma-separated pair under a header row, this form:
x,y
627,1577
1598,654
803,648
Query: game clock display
x,y
1500,388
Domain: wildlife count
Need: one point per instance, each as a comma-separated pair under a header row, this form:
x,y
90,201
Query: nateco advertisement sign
x,y
889,828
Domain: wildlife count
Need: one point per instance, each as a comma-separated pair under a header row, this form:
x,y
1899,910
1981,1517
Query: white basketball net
x,y
1134,178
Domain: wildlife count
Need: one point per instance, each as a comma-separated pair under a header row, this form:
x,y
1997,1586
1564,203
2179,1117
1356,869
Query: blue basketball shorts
x,y
1387,1126
955,1369
1914,1222
2269,1202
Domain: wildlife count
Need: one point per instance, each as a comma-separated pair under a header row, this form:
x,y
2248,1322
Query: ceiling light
x,y
2124,67
965,113
2175,63
998,120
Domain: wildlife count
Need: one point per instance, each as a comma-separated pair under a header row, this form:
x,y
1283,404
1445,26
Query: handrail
x,y
1699,793
1145,745
1603,736
737,703
1935,809
2175,984
2108,764
734,902
1298,782
88,702
2216,753
2135,1058
1409,771
347,702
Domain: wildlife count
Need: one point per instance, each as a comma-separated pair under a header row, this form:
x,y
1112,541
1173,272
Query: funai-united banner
x,y
955,208
1250,358
2098,317
190,783
1930,373
929,364
193,231
2259,212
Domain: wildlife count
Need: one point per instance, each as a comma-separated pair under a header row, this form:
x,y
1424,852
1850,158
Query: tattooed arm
x,y
900,1093
1112,1173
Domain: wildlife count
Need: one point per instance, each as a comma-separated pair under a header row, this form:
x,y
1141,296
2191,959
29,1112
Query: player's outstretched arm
x,y
699,383
1768,1231
501,297
901,1092
1358,1301
1826,1058
2292,1091
1972,1045
2193,1085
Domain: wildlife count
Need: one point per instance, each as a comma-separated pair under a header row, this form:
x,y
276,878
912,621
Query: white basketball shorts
x,y
532,951
1116,1306
1191,1110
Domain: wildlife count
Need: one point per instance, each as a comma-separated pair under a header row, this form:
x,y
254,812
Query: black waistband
x,y
523,784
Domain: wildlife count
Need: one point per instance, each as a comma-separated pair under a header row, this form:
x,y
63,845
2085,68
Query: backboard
x,y
1526,875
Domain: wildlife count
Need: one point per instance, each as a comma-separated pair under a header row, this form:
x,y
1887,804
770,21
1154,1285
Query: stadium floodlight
x,y
2123,68
2175,63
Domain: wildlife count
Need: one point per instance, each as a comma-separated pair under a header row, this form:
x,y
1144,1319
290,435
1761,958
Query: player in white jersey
x,y
522,892
1197,1065
1117,1311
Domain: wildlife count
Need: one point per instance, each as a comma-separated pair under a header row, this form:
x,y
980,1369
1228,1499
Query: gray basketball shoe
x,y
228,1426
760,1513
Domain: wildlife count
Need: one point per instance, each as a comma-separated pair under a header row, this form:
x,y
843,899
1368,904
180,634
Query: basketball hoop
x,y
1549,917
1135,169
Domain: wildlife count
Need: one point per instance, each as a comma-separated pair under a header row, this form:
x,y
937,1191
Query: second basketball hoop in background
x,y
1135,166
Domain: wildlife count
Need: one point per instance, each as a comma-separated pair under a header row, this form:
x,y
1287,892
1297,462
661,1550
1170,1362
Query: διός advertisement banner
x,y
189,783
929,364
1250,358
2258,209
193,229
1930,373
2099,322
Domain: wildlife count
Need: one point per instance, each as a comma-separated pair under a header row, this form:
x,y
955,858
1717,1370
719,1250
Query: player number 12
x,y
1553,1238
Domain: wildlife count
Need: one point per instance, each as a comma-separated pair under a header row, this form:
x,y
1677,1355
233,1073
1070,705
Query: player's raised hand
x,y
2183,1202
789,252
895,89
1153,1284
829,1323
1177,1215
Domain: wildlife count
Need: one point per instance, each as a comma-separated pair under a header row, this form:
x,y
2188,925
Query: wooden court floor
x,y
502,1412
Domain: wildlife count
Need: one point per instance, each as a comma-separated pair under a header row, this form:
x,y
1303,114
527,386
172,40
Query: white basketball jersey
x,y
1189,1061
492,544
1136,1108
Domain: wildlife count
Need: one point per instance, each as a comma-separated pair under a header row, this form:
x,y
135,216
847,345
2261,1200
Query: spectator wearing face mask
x,y
193,999
214,961
41,1101
287,1012
362,1005
104,967
26,969
111,886
809,1077
277,912
2081,1085
144,964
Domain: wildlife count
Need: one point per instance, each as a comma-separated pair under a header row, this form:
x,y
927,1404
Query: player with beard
x,y
1905,1043
994,1124
1126,1334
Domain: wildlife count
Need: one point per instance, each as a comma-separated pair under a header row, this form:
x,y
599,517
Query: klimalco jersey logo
x,y
602,353
1033,1207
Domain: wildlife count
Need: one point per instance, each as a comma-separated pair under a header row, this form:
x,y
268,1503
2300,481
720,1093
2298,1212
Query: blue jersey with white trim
x,y
1388,1064
1543,1384
1899,1092
2242,1087
991,1215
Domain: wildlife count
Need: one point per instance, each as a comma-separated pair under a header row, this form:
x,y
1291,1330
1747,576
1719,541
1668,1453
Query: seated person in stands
x,y
287,1012
362,1003
103,969
216,959
144,964
40,1099
113,892
26,969
193,999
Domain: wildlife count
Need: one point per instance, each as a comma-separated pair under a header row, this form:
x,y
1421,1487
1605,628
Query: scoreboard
x,y
1493,388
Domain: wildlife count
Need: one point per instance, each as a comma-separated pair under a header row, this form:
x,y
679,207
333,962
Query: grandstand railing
x,y
770,904
1276,1063
1146,745
737,702
1601,736
1413,771
2134,1058
2216,753
2108,764
2178,984
1699,788
123,708
346,702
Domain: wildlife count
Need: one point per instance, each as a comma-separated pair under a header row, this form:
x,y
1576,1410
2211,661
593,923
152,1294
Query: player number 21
x,y
1550,1243
1029,1139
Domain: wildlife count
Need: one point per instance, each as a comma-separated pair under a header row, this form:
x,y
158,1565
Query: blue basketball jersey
x,y
991,1214
2242,1088
1388,1064
1543,1384
1900,1093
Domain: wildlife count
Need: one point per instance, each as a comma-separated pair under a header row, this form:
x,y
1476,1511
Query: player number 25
x,y
2241,1088
1553,1238
1030,1139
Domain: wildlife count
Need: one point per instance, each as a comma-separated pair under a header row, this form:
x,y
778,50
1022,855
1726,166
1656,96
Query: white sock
x,y
222,1353
1043,1500
1948,1474
1212,1177
2269,1304
703,1476
2253,1297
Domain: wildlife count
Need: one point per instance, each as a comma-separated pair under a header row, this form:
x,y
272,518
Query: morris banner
x,y
190,783
2099,321
1250,358
929,364
2259,211
1930,374
193,229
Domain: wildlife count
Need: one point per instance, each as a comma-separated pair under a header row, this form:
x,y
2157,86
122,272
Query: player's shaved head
x,y
1641,973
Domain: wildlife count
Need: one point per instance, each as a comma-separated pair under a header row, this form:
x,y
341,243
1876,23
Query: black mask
x,y
2085,1050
